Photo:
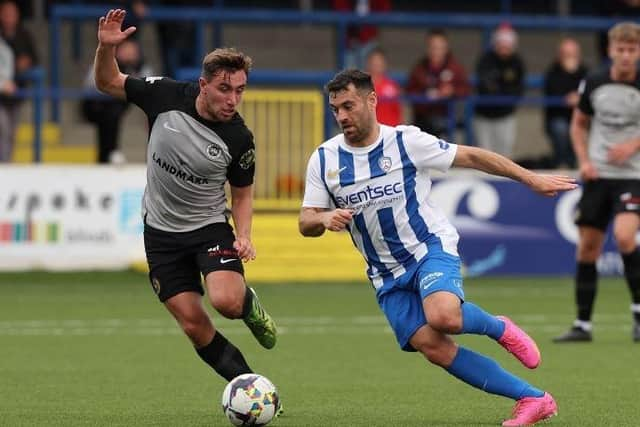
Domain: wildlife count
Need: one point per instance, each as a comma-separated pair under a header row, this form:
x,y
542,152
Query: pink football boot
x,y
529,410
517,342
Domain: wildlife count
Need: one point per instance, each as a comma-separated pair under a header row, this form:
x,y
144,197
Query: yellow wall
x,y
284,255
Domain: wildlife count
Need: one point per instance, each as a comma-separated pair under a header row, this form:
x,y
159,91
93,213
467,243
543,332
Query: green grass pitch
x,y
97,349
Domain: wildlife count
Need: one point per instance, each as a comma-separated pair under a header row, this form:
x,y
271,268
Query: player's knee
x,y
435,354
228,305
195,326
626,242
588,252
445,321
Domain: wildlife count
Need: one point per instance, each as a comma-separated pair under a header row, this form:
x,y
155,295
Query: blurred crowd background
x,y
500,74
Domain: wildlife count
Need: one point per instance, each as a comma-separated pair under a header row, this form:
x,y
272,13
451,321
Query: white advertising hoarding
x,y
70,217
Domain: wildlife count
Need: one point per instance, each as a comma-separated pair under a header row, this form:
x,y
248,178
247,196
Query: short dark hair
x,y
225,59
359,79
437,32
376,51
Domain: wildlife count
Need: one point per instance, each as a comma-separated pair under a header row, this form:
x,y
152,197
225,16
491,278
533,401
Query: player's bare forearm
x,y
108,77
489,162
496,164
242,210
314,221
310,222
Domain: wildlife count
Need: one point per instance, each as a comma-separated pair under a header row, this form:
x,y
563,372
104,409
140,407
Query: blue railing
x,y
319,78
339,20
36,93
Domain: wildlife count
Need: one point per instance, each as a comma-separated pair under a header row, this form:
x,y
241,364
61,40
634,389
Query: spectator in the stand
x,y
361,39
7,89
388,109
136,12
500,72
562,79
438,76
178,39
24,57
107,113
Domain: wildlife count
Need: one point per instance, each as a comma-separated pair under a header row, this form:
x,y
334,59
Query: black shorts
x,y
603,198
177,260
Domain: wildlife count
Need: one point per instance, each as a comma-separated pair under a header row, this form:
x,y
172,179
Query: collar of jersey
x,y
370,147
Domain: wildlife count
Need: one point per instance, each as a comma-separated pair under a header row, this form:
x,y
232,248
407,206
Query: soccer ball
x,y
250,400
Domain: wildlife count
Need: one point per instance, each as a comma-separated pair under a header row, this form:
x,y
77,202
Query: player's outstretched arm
x,y
314,221
496,164
108,77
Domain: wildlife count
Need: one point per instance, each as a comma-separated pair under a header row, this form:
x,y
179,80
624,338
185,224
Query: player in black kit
x,y
197,142
605,132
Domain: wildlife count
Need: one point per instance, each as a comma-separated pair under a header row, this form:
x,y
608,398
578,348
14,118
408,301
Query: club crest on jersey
x,y
248,159
213,151
385,163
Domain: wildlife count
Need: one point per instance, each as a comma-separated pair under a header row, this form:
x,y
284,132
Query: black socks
x,y
586,286
632,274
224,357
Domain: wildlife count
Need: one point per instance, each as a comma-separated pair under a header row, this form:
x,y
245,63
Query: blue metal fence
x,y
36,94
339,20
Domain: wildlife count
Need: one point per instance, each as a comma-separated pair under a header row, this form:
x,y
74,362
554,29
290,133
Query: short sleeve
x,y
584,90
153,95
427,151
316,194
242,168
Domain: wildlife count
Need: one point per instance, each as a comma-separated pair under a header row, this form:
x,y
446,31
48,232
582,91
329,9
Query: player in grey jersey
x,y
605,131
197,142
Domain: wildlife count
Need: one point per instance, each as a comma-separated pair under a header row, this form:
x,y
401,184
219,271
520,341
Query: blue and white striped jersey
x,y
387,185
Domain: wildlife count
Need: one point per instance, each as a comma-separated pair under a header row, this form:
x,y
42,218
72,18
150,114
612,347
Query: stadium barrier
x,y
88,217
201,17
287,126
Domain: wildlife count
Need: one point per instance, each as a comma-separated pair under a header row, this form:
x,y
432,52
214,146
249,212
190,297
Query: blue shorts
x,y
402,303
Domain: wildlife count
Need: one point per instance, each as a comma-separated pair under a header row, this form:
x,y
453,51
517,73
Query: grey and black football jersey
x,y
189,158
614,108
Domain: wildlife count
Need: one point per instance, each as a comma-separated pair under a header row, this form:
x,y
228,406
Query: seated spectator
x,y
389,110
500,71
438,76
562,79
106,113
20,42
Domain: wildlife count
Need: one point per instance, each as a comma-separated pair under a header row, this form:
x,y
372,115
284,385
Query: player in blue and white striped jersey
x,y
373,181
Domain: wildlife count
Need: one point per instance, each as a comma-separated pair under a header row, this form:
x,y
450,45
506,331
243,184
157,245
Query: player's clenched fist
x,y
337,220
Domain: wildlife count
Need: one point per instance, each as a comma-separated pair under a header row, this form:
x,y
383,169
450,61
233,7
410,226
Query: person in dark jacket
x,y
500,72
562,79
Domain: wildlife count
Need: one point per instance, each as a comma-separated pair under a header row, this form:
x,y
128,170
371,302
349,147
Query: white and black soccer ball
x,y
250,400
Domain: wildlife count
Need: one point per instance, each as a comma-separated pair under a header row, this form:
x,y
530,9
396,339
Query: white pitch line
x,y
292,325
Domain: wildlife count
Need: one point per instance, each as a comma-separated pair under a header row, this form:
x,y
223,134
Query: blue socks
x,y
484,373
477,321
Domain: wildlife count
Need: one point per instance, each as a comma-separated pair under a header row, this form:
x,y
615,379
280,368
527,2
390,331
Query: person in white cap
x,y
500,72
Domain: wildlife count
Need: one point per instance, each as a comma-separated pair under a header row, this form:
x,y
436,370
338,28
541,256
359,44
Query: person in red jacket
x,y
438,76
389,109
